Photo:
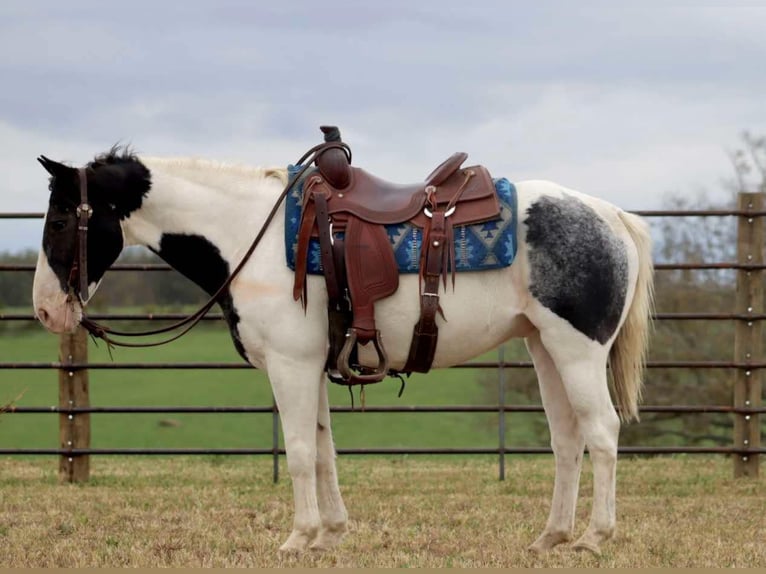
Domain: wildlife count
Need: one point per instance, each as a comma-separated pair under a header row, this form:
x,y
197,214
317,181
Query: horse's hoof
x,y
548,540
587,545
328,538
296,543
591,540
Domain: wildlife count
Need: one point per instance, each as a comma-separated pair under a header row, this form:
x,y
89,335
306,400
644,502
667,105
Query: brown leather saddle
x,y
347,209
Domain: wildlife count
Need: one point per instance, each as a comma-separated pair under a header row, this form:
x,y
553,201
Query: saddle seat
x,y
347,209
376,200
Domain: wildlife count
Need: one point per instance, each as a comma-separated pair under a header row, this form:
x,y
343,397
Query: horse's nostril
x,y
42,314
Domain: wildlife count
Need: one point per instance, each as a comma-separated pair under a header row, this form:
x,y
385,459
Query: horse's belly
x,y
483,311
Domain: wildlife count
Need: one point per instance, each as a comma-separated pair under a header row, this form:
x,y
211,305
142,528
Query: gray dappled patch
x,y
579,268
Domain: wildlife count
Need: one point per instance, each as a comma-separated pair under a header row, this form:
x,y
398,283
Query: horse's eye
x,y
58,225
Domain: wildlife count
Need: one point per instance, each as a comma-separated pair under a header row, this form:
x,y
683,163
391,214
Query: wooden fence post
x,y
748,339
74,429
501,411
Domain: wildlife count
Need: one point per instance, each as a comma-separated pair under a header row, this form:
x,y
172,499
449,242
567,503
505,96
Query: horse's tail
x,y
627,358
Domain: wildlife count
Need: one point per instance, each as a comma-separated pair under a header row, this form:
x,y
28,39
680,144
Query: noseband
x,y
78,274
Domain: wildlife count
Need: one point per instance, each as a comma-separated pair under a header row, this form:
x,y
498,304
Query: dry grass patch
x,y
680,511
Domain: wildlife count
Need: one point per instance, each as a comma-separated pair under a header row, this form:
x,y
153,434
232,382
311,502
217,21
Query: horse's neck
x,y
221,204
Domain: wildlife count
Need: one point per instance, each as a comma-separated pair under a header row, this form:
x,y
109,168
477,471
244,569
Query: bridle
x,y
78,274
79,268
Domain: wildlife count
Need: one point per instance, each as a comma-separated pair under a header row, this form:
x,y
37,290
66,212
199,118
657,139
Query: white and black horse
x,y
579,291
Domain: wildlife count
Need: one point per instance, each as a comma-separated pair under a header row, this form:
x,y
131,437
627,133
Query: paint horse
x,y
579,291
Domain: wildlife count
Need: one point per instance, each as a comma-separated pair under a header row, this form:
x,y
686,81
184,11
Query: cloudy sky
x,y
626,103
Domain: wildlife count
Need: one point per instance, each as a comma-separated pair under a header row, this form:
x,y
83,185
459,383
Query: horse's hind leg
x,y
581,363
332,511
567,444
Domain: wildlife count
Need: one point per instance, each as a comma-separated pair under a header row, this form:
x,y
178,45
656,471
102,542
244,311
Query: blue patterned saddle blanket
x,y
479,247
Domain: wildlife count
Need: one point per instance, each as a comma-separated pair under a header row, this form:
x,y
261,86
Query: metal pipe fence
x,y
74,409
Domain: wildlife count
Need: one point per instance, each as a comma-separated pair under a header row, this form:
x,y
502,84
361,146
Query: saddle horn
x,y
334,163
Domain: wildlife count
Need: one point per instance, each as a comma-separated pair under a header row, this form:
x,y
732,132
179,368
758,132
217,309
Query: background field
x,y
241,387
224,511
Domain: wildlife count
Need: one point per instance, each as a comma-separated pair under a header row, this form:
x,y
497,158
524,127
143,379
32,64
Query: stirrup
x,y
378,374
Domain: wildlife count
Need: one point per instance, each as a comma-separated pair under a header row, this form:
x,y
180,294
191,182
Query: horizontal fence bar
x,y
373,451
708,266
23,215
219,316
641,212
722,265
696,213
367,409
706,316
469,365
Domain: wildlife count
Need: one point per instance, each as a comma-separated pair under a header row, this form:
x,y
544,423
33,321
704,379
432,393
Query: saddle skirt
x,y
478,247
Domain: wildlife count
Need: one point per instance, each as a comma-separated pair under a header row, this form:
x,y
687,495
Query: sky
x,y
627,101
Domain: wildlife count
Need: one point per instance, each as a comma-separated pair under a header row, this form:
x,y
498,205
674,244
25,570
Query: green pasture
x,y
232,388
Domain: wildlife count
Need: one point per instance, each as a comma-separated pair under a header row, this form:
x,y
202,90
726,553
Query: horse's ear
x,y
54,168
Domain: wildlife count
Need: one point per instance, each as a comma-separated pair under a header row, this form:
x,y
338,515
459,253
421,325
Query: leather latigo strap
x,y
308,221
334,291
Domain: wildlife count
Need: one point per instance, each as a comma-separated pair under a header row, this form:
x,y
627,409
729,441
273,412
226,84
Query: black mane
x,y
117,154
119,177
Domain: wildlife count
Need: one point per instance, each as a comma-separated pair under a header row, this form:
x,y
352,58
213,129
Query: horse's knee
x,y
301,457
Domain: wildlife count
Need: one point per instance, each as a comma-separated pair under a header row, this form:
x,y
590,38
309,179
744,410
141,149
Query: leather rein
x,y
80,262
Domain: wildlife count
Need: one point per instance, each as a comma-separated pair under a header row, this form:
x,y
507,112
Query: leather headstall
x,y
78,274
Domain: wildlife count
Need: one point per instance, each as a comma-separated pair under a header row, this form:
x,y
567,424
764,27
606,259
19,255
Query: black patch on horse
x,y
201,261
579,269
117,185
123,179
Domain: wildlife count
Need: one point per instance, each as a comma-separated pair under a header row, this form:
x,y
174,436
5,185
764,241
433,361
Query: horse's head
x,y
116,184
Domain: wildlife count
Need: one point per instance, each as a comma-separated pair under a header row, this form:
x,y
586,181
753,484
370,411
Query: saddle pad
x,y
479,247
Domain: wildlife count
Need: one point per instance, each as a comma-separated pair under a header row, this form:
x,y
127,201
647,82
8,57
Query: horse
x,y
579,292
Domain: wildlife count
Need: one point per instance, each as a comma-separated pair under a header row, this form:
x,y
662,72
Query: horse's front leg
x,y
331,508
296,390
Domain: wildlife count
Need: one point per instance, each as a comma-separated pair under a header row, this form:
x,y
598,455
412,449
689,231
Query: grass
x,y
232,387
404,512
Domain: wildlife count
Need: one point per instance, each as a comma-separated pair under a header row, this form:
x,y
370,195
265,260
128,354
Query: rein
x,y
106,333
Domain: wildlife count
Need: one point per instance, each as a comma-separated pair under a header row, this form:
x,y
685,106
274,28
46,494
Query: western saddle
x,y
346,208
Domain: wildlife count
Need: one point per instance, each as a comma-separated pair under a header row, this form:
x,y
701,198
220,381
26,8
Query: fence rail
x,y
470,365
74,409
370,409
625,450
